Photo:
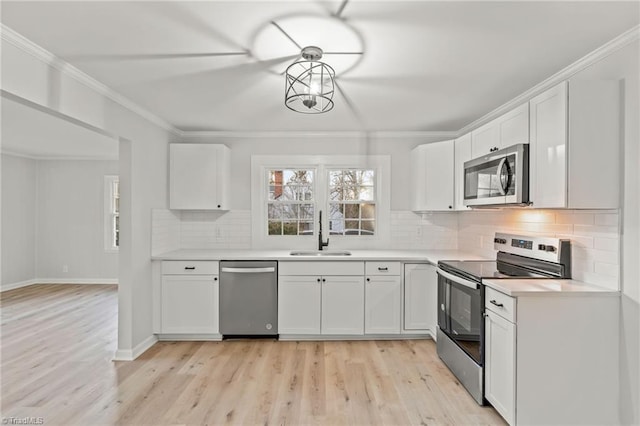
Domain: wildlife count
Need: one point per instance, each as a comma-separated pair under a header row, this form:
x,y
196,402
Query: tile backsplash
x,y
594,235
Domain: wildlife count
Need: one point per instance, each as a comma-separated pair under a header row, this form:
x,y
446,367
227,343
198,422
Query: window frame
x,y
110,214
321,164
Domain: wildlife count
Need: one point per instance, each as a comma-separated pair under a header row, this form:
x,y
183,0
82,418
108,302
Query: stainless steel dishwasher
x,y
248,298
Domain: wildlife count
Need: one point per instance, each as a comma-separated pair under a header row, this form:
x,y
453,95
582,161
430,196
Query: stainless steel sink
x,y
320,253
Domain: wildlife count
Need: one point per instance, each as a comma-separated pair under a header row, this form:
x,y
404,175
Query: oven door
x,y
460,308
499,178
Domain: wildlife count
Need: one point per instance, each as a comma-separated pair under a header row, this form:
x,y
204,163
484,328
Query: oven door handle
x,y
458,280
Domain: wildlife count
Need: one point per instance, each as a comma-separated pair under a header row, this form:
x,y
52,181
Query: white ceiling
x,y
426,66
37,134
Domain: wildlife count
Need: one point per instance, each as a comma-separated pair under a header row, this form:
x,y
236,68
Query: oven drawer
x,y
500,303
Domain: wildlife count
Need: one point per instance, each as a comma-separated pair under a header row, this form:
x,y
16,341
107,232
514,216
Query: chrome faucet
x,y
320,242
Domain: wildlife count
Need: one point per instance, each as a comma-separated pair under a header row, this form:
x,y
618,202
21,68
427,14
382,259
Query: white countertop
x,y
546,287
431,256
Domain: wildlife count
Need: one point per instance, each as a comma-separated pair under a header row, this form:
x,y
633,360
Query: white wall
x,y
70,220
19,177
399,148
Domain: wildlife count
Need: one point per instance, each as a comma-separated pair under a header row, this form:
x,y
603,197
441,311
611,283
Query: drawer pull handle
x,y
383,269
189,268
499,305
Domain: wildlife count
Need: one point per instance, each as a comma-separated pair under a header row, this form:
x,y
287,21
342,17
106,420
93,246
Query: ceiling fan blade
x,y
238,69
344,3
297,57
151,56
343,53
275,24
351,105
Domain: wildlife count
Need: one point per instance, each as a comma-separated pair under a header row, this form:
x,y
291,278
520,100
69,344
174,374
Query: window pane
x,y
368,211
336,211
336,227
367,177
290,211
365,193
306,211
368,227
305,228
275,228
275,192
350,226
290,228
274,211
335,193
352,211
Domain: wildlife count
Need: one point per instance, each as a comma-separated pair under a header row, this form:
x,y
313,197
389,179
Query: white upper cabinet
x,y
432,176
462,153
575,146
509,129
199,177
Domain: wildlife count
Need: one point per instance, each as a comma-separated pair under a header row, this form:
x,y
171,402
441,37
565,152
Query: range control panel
x,y
544,248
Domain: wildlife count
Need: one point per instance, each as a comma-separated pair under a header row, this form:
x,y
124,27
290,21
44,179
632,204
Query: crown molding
x,y
27,46
589,59
38,157
186,134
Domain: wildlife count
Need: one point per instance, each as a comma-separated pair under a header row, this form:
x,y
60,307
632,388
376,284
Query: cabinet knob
x,y
219,206
324,280
215,278
450,207
318,279
368,279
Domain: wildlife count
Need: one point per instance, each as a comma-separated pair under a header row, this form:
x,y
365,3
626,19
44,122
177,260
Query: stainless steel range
x,y
461,298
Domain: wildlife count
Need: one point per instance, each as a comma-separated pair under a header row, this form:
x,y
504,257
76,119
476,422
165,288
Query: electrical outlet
x,y
218,233
65,268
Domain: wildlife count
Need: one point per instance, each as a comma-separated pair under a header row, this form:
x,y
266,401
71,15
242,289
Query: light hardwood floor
x,y
58,341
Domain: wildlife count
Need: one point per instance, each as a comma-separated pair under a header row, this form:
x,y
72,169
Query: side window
x,y
290,202
352,203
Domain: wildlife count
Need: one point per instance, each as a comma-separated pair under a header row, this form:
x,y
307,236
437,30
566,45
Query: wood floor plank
x,y
57,343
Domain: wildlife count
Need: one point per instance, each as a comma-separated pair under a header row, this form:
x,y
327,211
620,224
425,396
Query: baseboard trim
x,y
13,286
131,354
190,337
88,281
322,337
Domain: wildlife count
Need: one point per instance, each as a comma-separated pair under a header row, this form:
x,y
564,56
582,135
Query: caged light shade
x,y
309,85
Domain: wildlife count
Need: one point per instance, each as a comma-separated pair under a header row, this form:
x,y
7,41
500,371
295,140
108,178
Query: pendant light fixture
x,y
309,84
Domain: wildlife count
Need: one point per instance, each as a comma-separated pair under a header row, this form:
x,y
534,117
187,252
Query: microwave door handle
x,y
503,178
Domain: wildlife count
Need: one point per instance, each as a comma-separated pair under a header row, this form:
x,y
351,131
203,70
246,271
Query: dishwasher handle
x,y
248,270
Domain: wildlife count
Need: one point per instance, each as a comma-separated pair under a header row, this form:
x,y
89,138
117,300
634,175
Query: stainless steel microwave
x,y
500,178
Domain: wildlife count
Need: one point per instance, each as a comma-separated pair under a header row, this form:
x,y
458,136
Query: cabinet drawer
x,y
382,268
500,303
184,267
321,268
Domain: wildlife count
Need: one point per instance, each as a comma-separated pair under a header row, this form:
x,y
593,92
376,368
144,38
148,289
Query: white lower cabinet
x,y
420,298
382,305
189,304
299,300
342,305
543,364
499,358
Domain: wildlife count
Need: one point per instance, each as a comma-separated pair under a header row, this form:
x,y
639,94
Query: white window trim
x,y
321,164
109,246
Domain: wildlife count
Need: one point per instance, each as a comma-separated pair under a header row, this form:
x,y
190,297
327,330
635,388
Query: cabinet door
x,y
189,304
198,176
432,177
499,369
343,305
514,126
299,304
382,305
548,150
462,153
484,139
420,297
